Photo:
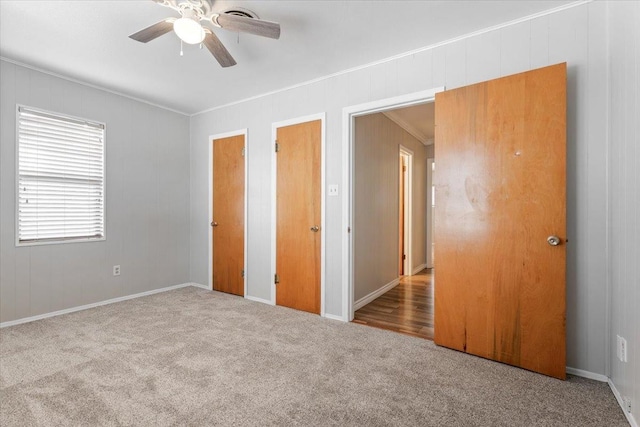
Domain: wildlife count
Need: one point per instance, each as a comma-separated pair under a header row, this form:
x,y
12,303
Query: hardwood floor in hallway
x,y
407,308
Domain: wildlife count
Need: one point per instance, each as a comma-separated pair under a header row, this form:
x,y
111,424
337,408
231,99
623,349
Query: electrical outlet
x,y
621,349
116,270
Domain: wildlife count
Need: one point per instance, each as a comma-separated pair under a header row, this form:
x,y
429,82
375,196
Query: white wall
x,y
147,201
624,196
576,35
375,228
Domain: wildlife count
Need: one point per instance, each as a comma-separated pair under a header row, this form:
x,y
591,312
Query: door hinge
x,y
242,151
276,279
348,229
242,273
404,169
277,147
404,256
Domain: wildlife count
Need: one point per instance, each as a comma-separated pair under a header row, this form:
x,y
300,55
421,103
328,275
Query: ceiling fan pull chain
x,y
181,51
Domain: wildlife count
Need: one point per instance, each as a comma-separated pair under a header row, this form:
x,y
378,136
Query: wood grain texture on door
x,y
228,214
298,210
500,192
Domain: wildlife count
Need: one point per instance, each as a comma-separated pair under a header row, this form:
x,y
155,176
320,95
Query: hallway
x,y
407,308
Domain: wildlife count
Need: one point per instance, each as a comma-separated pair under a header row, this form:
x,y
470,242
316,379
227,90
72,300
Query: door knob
x,y
315,228
214,224
553,240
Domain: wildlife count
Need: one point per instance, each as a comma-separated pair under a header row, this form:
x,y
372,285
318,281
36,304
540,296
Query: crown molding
x,y
402,55
91,85
393,116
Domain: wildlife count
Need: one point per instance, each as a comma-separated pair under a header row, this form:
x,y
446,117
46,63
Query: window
x,y
60,178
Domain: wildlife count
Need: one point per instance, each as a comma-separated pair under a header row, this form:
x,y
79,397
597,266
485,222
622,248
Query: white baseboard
x,y
334,317
256,299
198,285
419,268
605,379
375,294
92,305
616,393
587,374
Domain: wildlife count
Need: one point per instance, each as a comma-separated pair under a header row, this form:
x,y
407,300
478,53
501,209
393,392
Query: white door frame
x,y
348,119
245,133
274,187
408,212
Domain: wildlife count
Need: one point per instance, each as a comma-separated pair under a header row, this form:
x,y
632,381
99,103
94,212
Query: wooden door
x,y
228,214
500,193
298,195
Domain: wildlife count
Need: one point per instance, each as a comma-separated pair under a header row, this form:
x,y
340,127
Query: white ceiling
x,y
419,120
88,41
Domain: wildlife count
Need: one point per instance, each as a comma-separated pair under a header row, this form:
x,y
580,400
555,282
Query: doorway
x,y
391,288
350,114
228,212
431,209
405,216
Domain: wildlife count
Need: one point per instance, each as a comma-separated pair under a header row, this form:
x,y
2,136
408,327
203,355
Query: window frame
x,y
16,211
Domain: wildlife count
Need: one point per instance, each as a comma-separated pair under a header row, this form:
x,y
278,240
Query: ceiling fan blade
x,y
217,49
154,31
248,25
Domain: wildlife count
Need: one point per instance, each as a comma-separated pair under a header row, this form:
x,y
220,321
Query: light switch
x,y
333,189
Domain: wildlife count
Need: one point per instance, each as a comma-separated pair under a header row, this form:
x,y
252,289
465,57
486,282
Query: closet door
x,y
228,214
298,215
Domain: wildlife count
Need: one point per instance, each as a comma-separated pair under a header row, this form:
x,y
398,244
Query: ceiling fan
x,y
190,30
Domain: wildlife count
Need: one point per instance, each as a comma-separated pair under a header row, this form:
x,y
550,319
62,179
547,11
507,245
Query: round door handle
x,y
315,228
214,224
553,240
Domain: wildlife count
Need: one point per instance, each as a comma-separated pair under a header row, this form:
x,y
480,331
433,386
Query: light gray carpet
x,y
193,357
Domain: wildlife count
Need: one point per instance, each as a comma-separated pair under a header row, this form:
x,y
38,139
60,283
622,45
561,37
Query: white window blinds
x,y
60,178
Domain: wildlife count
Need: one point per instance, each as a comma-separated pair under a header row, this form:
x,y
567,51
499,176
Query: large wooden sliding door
x,y
228,214
298,216
500,228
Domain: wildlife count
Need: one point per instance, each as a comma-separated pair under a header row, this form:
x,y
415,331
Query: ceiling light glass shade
x,y
189,30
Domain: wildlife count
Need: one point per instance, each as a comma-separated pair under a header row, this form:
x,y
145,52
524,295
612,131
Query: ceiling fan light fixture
x,y
189,30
